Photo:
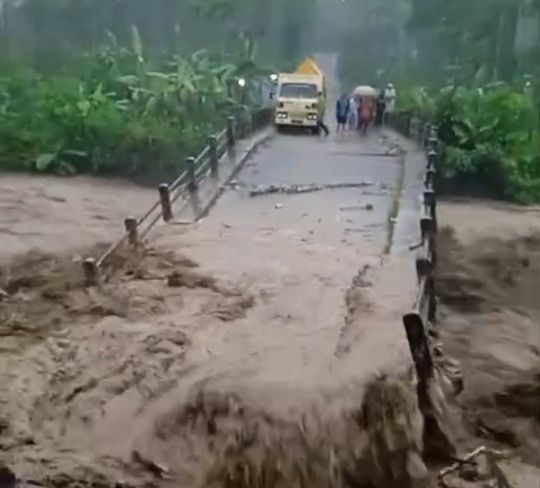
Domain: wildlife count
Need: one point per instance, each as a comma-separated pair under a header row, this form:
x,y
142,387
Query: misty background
x,y
377,40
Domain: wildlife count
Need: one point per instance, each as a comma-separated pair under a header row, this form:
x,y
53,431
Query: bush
x,y
112,112
489,137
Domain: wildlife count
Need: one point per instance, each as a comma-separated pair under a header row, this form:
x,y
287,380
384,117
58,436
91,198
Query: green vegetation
x,y
490,139
471,66
74,99
115,112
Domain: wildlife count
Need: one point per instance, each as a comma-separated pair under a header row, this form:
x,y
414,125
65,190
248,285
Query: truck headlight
x,y
312,116
282,115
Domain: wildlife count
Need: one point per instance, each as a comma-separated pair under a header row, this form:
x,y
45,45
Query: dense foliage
x,y
113,111
472,66
74,99
490,138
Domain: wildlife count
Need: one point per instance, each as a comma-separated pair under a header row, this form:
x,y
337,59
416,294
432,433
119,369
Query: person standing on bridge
x,y
390,101
365,114
353,114
342,113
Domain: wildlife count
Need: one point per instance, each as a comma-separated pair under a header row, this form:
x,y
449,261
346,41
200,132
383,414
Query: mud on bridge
x,y
245,348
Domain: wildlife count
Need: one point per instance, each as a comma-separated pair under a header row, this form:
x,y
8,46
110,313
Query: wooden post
x,y
190,169
165,199
419,345
91,272
436,440
432,158
131,228
427,132
230,133
430,178
214,159
427,227
423,267
430,202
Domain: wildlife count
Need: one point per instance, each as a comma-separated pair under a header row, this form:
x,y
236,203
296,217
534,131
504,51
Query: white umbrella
x,y
365,91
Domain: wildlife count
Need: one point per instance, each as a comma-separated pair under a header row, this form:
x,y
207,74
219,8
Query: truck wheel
x,y
316,131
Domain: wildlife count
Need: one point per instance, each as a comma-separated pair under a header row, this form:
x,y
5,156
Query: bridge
x,y
288,269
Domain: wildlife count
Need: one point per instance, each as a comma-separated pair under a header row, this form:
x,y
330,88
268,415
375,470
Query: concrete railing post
x,y
214,158
130,225
165,200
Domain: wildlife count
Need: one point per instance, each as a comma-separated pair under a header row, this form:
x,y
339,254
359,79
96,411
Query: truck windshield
x,y
298,90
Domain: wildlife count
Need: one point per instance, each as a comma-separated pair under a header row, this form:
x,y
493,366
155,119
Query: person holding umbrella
x,y
366,110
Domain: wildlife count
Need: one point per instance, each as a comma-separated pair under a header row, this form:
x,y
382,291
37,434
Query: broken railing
x,y
195,170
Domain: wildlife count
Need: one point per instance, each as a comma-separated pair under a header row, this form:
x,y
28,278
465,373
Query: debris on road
x,y
279,205
296,189
368,206
234,185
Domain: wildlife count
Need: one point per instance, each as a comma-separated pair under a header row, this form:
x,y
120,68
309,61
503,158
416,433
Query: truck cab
x,y
300,97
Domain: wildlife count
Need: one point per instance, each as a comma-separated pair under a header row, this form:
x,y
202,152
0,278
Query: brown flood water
x,y
261,347
488,278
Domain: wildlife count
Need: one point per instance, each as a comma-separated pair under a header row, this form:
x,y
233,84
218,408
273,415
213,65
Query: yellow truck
x,y
301,97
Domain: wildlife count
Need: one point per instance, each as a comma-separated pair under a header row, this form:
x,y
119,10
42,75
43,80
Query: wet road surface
x,y
300,255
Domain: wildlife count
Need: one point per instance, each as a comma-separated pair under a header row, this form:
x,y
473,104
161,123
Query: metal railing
x,y
196,170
